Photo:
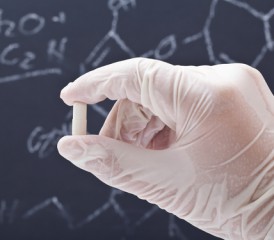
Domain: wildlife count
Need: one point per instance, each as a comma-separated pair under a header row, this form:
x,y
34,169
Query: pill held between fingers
x,y
79,119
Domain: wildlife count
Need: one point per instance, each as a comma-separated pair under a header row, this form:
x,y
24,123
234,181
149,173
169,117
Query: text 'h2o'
x,y
14,55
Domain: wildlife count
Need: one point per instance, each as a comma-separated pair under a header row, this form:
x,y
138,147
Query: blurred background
x,y
44,45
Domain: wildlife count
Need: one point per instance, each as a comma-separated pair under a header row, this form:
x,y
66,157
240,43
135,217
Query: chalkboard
x,y
46,44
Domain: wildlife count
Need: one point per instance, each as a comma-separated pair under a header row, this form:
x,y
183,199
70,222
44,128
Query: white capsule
x,y
79,119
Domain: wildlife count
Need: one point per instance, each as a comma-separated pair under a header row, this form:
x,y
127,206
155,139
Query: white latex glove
x,y
196,141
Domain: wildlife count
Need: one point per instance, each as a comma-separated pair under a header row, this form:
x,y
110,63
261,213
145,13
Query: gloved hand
x,y
196,141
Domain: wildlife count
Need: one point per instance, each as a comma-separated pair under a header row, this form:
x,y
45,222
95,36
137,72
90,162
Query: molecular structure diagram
x,y
101,50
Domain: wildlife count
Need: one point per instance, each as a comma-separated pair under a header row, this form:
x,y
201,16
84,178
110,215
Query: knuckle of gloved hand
x,y
245,74
237,81
250,71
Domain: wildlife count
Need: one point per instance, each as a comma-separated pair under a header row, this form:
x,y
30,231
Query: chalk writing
x,y
8,212
22,61
44,143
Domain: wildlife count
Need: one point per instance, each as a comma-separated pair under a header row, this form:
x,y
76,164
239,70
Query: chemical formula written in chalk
x,y
18,58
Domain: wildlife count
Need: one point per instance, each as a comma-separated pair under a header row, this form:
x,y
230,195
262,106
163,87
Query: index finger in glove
x,y
151,83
